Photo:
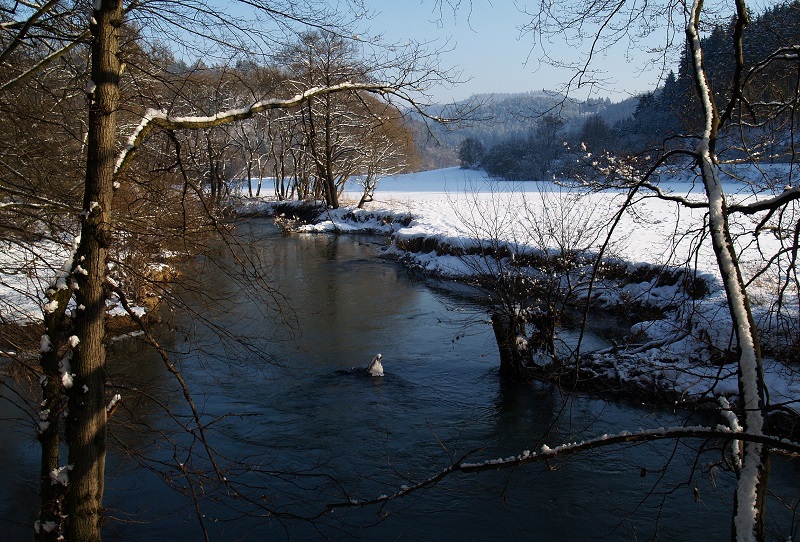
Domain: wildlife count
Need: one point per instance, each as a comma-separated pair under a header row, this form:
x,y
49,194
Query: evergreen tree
x,y
470,153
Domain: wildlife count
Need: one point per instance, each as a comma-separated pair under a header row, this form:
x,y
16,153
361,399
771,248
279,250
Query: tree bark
x,y
331,194
750,496
512,359
86,422
50,524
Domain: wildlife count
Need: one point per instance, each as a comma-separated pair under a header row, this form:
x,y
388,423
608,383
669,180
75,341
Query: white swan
x,y
375,367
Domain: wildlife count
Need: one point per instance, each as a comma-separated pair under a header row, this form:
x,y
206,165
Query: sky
x,y
488,47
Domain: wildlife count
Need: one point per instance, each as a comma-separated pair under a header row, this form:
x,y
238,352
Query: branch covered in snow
x,y
791,52
787,196
547,453
160,119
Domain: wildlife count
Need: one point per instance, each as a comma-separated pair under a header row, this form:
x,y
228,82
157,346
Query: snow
x,y
114,400
45,345
28,273
65,368
47,526
43,422
734,425
60,475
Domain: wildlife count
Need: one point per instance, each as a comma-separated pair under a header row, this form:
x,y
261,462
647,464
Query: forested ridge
x,y
521,146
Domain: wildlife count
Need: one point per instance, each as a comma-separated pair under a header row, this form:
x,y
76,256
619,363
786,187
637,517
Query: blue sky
x,y
489,49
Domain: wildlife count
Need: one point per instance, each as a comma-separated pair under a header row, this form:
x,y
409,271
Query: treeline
x,y
310,150
172,195
549,144
541,152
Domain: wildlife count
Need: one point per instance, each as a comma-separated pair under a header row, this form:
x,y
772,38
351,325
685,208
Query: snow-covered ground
x,y
444,202
25,273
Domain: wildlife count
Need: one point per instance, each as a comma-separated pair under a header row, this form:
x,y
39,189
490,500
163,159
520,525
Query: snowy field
x,y
24,275
447,203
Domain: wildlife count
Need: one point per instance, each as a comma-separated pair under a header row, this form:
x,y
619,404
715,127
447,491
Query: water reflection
x,y
19,468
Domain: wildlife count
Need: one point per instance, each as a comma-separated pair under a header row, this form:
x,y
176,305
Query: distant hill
x,y
504,116
521,136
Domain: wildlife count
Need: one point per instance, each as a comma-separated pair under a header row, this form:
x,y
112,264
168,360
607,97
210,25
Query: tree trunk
x,y
86,422
512,358
750,496
365,197
50,525
250,178
331,193
331,196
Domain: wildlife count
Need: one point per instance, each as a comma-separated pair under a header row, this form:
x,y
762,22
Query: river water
x,y
312,428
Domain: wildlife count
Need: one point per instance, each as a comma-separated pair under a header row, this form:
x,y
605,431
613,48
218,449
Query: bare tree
x,y
75,402
383,154
730,112
330,123
532,253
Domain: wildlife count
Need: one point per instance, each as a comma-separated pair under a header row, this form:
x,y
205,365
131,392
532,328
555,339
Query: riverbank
x,y
312,413
658,271
658,274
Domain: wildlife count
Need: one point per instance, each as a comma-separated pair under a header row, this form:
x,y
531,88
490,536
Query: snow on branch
x,y
789,53
788,195
547,453
160,119
749,497
60,475
60,281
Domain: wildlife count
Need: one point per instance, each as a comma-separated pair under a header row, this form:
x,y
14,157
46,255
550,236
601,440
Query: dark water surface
x,y
313,412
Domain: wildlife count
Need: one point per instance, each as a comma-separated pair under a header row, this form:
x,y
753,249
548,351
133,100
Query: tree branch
x,y
547,454
160,119
45,61
787,196
25,28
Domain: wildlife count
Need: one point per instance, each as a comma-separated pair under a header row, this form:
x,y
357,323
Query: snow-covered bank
x,y
27,271
436,217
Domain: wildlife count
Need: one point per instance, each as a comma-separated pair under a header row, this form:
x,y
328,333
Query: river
x,y
312,428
